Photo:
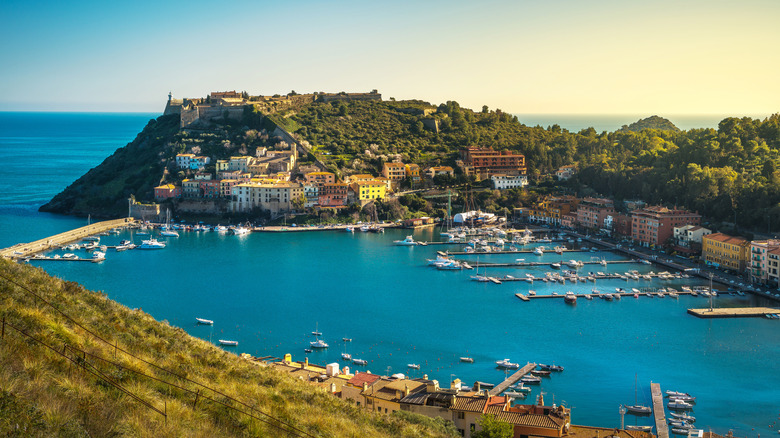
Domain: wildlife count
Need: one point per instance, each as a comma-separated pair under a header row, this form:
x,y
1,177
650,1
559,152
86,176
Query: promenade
x,y
22,250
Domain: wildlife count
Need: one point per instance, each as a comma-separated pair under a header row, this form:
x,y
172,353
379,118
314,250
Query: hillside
x,y
652,122
93,367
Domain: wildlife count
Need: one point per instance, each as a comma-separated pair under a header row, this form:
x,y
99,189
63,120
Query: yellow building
x,y
413,172
385,395
725,251
552,210
369,190
394,171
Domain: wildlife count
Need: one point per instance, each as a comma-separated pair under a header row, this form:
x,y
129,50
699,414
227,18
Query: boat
x,y
346,356
639,428
151,243
360,361
319,343
542,373
679,404
514,394
531,380
307,350
570,297
346,339
168,233
681,431
98,255
636,408
645,262
204,321
349,229
505,364
684,417
239,231
539,251
608,297
408,241
413,366
679,424
670,393
220,229
467,359
451,265
228,343
546,367
555,265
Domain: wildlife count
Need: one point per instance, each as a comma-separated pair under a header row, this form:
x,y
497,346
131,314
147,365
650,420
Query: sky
x,y
533,57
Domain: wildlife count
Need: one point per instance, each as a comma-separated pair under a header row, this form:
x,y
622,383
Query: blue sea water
x,y
269,291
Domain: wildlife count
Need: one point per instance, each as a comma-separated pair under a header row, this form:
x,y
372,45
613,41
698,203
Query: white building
x,y
183,160
503,182
687,234
275,197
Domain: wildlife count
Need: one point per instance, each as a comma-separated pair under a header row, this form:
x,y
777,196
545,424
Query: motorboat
x,y
681,431
349,229
539,251
639,428
346,339
608,297
413,366
204,321
541,373
450,265
70,256
239,231
679,404
675,394
467,359
98,255
638,409
220,229
307,350
346,356
408,241
151,243
505,364
555,265
570,297
514,394
531,380
228,343
550,367
360,361
684,417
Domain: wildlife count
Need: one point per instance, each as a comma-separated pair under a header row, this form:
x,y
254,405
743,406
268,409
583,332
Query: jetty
x,y
661,428
514,378
642,293
734,312
25,250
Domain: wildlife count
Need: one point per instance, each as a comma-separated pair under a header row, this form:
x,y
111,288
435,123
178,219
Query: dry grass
x,y
44,394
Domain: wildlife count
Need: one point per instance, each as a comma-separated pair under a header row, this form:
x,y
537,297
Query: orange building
x,y
492,162
655,225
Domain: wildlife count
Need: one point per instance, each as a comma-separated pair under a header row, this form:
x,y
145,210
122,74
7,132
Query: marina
x,y
734,312
661,428
514,378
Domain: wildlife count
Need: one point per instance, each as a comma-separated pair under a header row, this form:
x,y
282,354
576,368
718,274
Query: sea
x,y
270,291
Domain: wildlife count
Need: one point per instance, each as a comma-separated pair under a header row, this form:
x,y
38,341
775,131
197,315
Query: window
x,y
461,415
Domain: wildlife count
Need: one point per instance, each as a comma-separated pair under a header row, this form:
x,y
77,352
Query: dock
x,y
519,251
733,312
514,378
63,259
522,297
643,293
24,250
661,428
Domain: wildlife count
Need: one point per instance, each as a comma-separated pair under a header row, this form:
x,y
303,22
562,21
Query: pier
x,y
654,293
24,250
734,312
511,380
661,428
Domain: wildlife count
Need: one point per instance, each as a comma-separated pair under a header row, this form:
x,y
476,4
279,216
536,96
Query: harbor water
x,y
269,291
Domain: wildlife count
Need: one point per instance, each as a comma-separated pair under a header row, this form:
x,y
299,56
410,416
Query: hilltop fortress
x,y
196,112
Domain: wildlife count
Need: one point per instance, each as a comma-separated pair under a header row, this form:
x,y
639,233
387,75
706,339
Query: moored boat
x,y
570,297
408,241
550,367
204,321
151,243
639,428
228,343
506,364
531,380
638,409
679,404
360,361
413,366
467,359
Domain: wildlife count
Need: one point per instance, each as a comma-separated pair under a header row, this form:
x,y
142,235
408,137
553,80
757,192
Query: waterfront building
x,y
621,224
312,194
652,226
209,188
320,178
503,182
569,220
435,171
394,171
759,266
333,195
592,212
167,191
369,190
183,160
724,251
688,237
226,187
493,162
565,172
271,196
385,395
551,209
773,267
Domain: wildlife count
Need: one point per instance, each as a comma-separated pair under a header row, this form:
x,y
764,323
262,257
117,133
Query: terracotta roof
x,y
725,238
775,251
360,378
535,420
469,404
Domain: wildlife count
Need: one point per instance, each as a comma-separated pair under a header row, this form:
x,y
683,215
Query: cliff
x,y
74,363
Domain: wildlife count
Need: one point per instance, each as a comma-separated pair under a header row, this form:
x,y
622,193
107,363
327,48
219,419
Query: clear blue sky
x,y
600,56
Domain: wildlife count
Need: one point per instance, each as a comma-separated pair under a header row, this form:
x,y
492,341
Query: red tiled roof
x,y
361,378
725,238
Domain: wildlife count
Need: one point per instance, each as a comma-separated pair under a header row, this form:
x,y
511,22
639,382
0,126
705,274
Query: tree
x,y
493,428
484,109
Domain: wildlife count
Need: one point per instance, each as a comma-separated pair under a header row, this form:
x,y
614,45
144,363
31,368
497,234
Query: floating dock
x,y
511,380
24,250
661,428
734,312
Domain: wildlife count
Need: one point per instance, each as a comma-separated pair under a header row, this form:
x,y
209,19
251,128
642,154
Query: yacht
x,y
409,241
539,251
534,380
679,404
360,361
319,343
570,297
166,232
467,359
239,231
151,243
413,366
346,356
638,409
204,321
507,365
228,343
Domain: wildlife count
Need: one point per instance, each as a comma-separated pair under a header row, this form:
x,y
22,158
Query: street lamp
x,y
622,410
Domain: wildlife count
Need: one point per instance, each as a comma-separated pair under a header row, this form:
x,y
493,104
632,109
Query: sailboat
x,y
318,343
167,231
636,408
346,356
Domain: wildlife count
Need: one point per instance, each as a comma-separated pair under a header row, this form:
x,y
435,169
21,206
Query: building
x,y
385,395
275,197
359,177
569,220
320,178
394,171
689,237
503,182
333,195
435,171
209,188
412,172
552,209
199,162
724,251
759,264
240,163
621,225
773,267
312,194
183,160
167,191
592,212
652,226
226,187
354,388
565,172
369,190
190,188
222,166
493,162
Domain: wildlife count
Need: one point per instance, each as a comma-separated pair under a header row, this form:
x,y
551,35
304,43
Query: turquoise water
x,y
269,291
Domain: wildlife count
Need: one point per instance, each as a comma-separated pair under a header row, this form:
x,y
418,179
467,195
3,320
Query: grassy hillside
x,y
58,378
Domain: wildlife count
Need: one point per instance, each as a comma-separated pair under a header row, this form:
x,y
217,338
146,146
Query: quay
x,y
24,250
661,428
519,251
643,292
511,380
563,278
299,228
63,259
734,312
562,262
